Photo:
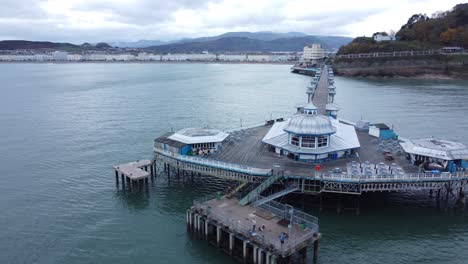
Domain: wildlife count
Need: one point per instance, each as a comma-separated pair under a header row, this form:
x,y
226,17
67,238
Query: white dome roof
x,y
310,125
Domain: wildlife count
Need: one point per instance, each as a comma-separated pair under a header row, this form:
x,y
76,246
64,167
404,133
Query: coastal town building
x,y
60,55
313,52
384,37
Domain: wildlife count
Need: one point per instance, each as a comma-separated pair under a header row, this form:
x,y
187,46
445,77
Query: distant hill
x,y
46,45
245,44
333,42
137,44
36,45
421,32
262,35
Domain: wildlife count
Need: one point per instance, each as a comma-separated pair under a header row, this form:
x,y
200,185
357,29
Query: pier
x,y
311,153
251,234
377,166
134,174
303,70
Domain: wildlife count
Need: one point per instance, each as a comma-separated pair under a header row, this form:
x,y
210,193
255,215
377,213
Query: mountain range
x,y
241,41
227,42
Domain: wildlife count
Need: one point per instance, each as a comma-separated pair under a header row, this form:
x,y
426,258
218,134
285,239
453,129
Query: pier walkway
x,y
320,98
227,221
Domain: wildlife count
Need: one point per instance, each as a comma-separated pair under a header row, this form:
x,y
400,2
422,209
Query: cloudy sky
x,y
80,21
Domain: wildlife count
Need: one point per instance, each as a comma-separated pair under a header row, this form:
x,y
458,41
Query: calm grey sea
x,y
62,127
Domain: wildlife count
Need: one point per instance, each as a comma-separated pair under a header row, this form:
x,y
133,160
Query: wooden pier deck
x,y
230,226
134,173
320,98
249,150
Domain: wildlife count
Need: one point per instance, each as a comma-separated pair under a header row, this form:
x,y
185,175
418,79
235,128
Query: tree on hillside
x,y
415,19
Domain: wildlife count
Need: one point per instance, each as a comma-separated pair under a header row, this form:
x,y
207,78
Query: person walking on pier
x,y
282,238
254,223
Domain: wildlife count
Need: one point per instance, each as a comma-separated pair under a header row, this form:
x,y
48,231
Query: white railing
x,y
407,53
408,177
215,163
296,235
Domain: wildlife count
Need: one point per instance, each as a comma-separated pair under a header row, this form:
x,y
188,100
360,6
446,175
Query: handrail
x,y
256,192
215,163
395,54
413,177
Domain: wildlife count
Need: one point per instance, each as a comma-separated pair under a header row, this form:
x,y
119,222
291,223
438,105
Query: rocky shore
x,y
434,67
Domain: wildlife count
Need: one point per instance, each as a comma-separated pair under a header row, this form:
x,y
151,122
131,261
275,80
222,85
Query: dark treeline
x,y
421,32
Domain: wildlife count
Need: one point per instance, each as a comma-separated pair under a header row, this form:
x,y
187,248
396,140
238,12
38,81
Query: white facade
x,y
313,52
232,57
380,37
60,55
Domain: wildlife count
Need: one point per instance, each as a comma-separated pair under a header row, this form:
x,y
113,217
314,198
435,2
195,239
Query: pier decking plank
x,y
249,150
321,94
239,218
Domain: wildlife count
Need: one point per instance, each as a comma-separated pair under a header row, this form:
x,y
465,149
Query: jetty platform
x,y
229,226
304,71
134,174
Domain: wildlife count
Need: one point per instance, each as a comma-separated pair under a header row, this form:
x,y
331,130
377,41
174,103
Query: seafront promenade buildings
x,y
62,56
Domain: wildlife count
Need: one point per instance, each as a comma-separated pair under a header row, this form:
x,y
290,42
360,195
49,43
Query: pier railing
x,y
406,177
408,53
215,163
303,226
288,212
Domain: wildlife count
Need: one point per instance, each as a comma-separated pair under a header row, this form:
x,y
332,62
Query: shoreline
x,y
146,62
425,76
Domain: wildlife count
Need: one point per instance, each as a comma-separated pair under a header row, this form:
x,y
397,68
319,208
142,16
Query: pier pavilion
x,y
450,155
192,141
309,136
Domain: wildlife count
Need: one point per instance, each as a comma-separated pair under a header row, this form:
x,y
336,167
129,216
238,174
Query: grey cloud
x,y
21,9
143,12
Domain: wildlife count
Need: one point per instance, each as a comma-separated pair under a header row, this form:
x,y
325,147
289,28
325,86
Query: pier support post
x,y
358,205
199,227
130,183
316,244
447,187
231,243
304,255
273,259
187,216
338,205
218,235
206,228
268,257
461,199
255,249
122,178
190,221
244,250
320,206
438,199
117,178
260,256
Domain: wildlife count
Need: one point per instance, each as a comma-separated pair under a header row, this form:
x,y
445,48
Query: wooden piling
x,y
117,178
316,246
